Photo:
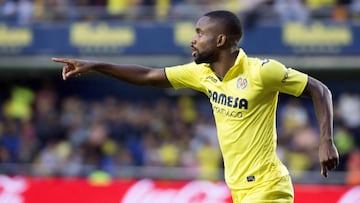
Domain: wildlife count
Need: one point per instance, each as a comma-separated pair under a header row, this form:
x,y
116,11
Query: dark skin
x,y
322,101
211,46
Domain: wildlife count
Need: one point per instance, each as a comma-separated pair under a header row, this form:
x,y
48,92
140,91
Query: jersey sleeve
x,y
275,76
184,76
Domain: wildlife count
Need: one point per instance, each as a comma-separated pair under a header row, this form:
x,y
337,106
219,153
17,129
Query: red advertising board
x,y
60,190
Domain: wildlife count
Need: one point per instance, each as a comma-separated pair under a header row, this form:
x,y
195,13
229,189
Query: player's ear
x,y
221,40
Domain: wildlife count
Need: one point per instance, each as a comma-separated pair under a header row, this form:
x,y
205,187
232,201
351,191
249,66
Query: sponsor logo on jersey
x,y
211,78
228,100
265,61
286,76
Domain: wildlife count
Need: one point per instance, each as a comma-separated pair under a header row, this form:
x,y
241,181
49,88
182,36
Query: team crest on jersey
x,y
241,83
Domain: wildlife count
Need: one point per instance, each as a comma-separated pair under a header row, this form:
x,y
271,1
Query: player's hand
x,y
329,157
73,67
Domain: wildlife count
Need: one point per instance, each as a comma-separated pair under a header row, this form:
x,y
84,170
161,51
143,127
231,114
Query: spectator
x,y
209,159
321,9
291,11
48,162
52,10
25,12
162,8
303,153
293,115
353,168
29,144
355,9
187,158
349,112
255,11
73,164
151,153
11,139
8,10
129,125
340,11
186,9
345,142
20,103
169,152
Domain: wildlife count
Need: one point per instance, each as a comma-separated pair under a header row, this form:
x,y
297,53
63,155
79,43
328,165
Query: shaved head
x,y
228,22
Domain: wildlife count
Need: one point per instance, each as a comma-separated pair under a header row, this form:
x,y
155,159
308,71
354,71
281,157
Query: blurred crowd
x,y
44,134
25,12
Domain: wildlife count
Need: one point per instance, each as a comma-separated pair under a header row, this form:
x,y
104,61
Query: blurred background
x,y
98,126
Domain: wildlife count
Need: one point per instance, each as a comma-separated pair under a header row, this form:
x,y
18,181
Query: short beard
x,y
207,57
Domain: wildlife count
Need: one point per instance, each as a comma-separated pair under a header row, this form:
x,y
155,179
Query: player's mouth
x,y
194,51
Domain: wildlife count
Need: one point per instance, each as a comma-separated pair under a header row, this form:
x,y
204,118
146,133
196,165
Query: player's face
x,y
203,43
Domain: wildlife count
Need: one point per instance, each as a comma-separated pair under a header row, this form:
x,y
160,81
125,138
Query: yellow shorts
x,y
278,190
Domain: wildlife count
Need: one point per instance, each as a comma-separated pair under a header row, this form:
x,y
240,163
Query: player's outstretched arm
x,y
322,101
134,74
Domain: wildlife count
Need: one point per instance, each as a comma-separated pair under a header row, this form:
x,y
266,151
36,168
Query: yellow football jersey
x,y
244,107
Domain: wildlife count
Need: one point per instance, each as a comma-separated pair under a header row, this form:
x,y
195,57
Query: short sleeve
x,y
185,76
275,76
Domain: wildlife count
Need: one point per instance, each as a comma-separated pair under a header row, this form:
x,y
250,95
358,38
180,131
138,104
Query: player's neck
x,y
225,61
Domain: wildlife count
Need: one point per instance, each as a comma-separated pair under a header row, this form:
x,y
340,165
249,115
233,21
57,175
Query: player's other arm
x,y
322,101
134,74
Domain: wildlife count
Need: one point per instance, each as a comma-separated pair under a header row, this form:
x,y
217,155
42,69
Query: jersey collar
x,y
240,57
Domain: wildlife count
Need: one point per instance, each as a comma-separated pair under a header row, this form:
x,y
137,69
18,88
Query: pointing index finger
x,y
324,171
61,60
